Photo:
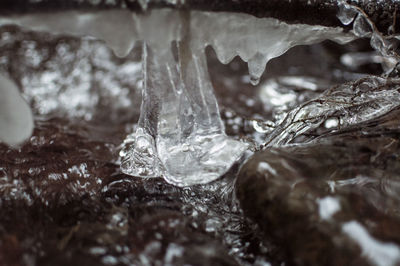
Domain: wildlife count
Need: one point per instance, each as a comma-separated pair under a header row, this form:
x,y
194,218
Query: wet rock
x,y
332,202
63,201
55,166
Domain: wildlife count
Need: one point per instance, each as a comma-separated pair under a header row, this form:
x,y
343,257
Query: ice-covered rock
x,y
349,104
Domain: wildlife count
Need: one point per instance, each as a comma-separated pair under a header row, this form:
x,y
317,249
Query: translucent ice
x,y
346,15
179,111
364,27
256,40
349,104
180,134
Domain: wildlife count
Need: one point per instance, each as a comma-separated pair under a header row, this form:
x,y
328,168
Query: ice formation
x,y
180,134
16,120
350,104
364,27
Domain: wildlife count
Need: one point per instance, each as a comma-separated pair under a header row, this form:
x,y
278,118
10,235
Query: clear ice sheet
x,y
364,27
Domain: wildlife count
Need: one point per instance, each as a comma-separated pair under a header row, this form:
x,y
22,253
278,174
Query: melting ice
x,y
180,134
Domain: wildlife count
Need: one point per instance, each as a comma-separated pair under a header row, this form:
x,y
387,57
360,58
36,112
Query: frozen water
x,y
16,120
81,168
183,116
179,111
256,40
140,155
180,134
364,27
346,15
101,25
350,104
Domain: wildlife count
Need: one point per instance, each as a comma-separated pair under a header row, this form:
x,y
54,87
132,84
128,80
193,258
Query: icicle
x,y
181,114
256,40
256,67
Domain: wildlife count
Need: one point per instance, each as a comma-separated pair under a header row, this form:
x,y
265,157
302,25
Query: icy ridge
x,y
346,105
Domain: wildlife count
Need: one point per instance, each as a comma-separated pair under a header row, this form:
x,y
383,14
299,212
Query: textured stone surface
x,y
355,173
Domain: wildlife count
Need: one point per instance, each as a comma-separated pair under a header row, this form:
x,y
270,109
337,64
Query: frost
x,y
346,15
180,134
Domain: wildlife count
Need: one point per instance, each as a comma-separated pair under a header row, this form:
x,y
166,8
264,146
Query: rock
x,y
334,202
64,201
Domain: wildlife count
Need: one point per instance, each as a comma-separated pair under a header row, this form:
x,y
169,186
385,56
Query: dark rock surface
x,y
355,174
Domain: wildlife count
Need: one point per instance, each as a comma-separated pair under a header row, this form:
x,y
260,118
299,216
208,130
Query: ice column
x,y
180,134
